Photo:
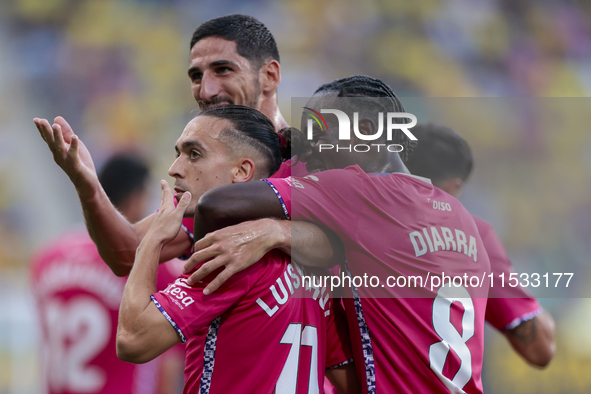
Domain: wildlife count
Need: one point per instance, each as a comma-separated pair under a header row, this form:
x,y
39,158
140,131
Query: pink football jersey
x,y
507,306
399,226
263,331
78,301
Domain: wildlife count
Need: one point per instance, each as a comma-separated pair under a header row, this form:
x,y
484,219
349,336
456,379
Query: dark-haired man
x,y
241,325
234,60
445,158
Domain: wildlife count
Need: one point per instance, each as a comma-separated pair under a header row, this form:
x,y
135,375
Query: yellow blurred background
x,y
116,70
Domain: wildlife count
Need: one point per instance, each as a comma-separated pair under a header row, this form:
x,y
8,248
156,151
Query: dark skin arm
x,y
257,225
229,205
534,340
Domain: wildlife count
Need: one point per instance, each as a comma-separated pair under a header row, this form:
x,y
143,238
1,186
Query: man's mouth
x,y
178,193
217,102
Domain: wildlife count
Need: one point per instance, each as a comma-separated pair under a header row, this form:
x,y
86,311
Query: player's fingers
x,y
205,242
218,281
165,187
37,123
183,203
205,269
67,131
199,257
73,151
45,130
58,138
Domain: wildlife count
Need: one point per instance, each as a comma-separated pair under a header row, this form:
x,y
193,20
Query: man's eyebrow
x,y
218,63
191,144
193,70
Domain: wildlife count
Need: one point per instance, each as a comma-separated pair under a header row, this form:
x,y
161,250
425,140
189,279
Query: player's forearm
x,y
232,204
133,324
115,238
534,339
314,246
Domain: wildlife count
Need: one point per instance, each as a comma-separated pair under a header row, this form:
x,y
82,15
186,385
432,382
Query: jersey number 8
x,y
450,337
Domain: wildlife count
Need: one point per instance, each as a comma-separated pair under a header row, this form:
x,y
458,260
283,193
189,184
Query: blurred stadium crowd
x,y
117,71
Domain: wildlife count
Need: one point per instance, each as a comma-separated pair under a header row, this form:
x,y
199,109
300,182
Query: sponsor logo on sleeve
x,y
177,295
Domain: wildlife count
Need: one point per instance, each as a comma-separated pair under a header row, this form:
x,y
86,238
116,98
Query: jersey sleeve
x,y
507,307
168,272
282,189
284,170
338,341
187,309
314,197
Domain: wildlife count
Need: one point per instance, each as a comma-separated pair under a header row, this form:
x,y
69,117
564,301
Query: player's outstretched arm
x,y
534,339
242,244
143,332
116,238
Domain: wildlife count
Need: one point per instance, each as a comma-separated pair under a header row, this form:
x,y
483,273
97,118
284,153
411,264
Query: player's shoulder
x,y
339,177
483,226
265,271
274,261
406,188
292,167
403,178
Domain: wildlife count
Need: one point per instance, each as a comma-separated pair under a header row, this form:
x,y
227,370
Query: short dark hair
x,y
122,175
364,86
441,154
253,40
254,129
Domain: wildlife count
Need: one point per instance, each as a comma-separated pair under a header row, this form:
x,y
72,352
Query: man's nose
x,y
175,169
210,87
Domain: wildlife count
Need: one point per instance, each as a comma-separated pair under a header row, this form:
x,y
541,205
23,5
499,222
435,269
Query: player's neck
x,y
270,108
395,164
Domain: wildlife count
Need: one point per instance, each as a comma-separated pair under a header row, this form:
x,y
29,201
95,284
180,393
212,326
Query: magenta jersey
x,y
400,225
263,331
288,169
78,301
508,306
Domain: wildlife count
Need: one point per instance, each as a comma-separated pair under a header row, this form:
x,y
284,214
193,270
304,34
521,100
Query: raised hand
x,y
69,153
167,223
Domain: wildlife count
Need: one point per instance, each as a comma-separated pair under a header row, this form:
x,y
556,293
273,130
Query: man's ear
x,y
270,76
244,170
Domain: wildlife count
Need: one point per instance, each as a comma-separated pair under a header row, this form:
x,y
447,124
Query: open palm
x,y
68,152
